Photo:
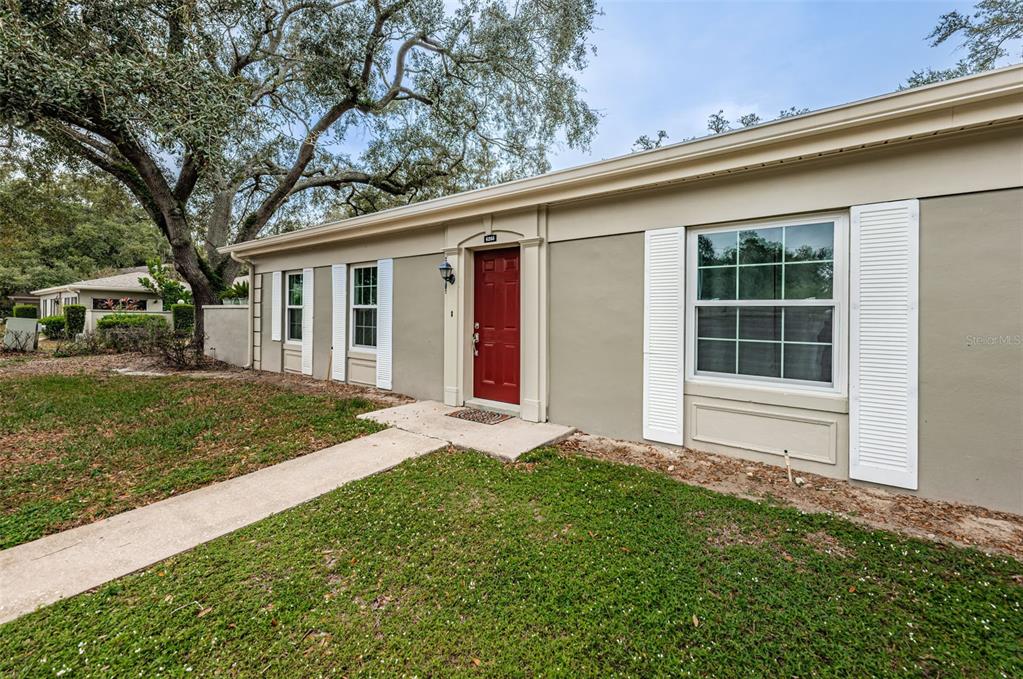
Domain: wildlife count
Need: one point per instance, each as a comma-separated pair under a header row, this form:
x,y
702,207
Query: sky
x,y
668,65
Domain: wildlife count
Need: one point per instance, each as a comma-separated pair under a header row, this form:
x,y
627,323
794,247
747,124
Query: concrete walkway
x,y
61,565
506,440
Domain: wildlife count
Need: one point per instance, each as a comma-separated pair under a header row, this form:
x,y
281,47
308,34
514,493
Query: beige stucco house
x,y
120,293
845,286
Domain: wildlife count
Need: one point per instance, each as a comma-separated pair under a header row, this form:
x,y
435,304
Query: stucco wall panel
x,y
596,335
418,325
419,242
271,352
971,348
323,313
227,333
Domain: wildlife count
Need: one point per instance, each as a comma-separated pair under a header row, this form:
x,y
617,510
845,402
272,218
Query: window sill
x,y
778,396
362,353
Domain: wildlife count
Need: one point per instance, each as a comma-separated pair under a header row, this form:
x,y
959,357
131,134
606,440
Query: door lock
x,y
475,344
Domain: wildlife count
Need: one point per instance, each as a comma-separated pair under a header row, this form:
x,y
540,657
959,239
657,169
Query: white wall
x,y
227,333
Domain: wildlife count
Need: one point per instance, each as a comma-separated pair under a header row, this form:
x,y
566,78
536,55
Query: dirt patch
x,y
137,365
965,525
732,534
305,385
77,365
27,447
825,543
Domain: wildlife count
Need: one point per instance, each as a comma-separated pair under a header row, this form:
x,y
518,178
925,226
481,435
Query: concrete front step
x,y
507,440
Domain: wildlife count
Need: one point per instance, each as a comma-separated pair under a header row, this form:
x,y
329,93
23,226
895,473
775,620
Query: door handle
x,y
475,344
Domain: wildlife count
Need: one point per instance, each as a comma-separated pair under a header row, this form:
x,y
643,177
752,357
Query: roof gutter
x,y
924,111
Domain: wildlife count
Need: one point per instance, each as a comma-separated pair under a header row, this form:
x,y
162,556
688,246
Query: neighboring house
x,y
121,292
17,298
843,286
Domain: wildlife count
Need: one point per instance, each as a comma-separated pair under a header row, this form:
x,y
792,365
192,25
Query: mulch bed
x,y
960,524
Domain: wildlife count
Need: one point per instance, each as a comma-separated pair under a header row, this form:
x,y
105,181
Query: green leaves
x,y
231,118
161,281
990,34
57,228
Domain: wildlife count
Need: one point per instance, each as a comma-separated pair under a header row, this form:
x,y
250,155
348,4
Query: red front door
x,y
496,319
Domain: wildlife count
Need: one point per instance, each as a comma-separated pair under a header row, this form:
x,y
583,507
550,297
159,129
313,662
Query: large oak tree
x,y
227,119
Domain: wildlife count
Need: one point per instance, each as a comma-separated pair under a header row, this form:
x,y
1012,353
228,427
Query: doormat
x,y
480,416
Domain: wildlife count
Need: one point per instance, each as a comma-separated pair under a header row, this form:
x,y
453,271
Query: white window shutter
x,y
385,310
663,327
308,312
884,344
338,320
276,308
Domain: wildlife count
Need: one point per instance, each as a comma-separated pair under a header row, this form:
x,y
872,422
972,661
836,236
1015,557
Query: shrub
x,y
131,321
237,292
175,349
53,326
85,344
74,319
26,311
130,339
184,317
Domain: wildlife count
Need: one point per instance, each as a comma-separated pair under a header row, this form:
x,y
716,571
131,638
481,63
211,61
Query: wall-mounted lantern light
x,y
447,273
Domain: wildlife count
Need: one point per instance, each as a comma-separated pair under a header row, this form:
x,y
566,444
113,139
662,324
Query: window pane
x,y
808,324
760,246
366,285
760,282
715,356
295,324
808,362
362,276
760,323
715,321
295,290
809,281
717,283
808,242
365,327
716,248
760,358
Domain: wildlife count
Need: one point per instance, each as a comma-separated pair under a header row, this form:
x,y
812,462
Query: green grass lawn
x,y
456,564
74,449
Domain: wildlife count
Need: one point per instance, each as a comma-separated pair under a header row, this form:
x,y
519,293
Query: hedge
x,y
184,317
26,311
131,321
53,326
74,319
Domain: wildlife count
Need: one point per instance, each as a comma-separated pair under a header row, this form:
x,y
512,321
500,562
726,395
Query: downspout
x,y
252,306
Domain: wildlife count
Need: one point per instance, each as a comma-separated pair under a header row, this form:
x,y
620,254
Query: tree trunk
x,y
204,292
201,296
